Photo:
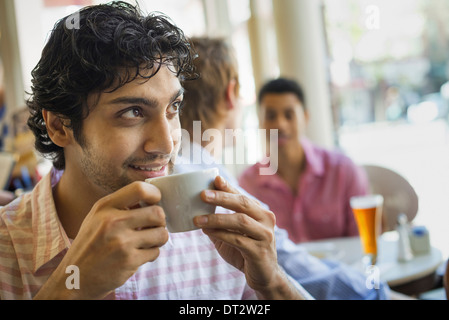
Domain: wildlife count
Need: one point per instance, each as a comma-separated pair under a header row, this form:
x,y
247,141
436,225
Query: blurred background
x,y
375,73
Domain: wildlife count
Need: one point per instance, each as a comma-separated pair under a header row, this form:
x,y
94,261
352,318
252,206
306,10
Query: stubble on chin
x,y
99,170
171,165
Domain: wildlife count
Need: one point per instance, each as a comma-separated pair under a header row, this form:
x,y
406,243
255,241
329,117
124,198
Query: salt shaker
x,y
404,248
419,240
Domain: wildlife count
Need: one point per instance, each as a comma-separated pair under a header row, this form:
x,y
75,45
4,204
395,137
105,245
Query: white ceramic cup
x,y
180,197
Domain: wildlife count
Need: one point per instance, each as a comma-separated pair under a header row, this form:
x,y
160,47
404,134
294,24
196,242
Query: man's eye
x,y
175,107
270,116
132,113
289,115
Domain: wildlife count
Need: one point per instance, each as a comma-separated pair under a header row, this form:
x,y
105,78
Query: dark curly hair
x,y
110,45
283,85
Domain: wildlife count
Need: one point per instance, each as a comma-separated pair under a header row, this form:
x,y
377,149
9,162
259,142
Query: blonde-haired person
x,y
213,99
216,105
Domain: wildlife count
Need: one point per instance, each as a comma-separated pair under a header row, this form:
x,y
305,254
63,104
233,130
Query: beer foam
x,y
365,202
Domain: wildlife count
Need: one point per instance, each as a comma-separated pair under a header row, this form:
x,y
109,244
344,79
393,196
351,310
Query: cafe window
x,y
389,85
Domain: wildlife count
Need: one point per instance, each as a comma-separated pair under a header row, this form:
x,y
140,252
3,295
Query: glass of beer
x,y
368,215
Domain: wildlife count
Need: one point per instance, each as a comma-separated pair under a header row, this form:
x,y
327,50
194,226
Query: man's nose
x,y
159,137
281,123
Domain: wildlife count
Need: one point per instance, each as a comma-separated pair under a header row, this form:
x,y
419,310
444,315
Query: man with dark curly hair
x,y
104,106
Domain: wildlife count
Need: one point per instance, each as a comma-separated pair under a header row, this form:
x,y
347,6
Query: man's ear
x,y
57,131
231,96
306,116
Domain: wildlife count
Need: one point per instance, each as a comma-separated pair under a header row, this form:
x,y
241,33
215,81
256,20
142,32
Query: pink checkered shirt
x,y
321,209
33,243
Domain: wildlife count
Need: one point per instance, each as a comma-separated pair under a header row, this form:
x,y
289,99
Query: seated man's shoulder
x,y
335,157
339,164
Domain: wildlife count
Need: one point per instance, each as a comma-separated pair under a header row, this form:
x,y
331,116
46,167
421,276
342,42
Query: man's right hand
x,y
115,238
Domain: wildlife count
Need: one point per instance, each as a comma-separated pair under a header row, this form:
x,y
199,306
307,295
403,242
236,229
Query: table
x,y
395,273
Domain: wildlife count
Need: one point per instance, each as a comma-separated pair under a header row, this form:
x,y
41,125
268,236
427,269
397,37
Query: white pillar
x,y
10,53
217,18
301,53
31,37
259,42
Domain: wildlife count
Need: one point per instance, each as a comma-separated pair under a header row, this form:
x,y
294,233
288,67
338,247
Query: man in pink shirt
x,y
310,191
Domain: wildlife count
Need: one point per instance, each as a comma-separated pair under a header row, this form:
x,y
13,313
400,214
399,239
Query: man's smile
x,y
150,171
